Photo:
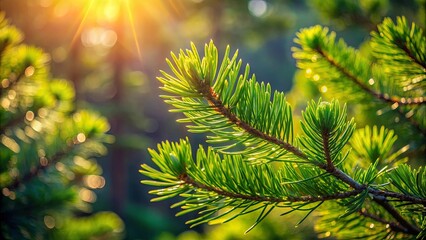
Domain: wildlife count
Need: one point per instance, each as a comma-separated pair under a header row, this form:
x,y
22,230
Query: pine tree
x,y
363,183
47,147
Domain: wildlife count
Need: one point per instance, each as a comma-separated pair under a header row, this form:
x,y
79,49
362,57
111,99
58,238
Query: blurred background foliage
x,y
112,52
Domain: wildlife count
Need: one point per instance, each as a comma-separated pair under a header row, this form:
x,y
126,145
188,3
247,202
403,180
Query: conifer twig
x,y
379,96
393,225
307,198
214,100
381,200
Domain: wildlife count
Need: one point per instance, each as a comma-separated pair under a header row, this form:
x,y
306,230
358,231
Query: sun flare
x,y
113,13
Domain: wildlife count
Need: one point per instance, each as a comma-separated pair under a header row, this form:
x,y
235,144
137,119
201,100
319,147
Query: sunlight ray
x,y
132,25
83,20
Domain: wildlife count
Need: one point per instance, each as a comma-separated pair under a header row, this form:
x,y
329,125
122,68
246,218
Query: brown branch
x,y
399,196
380,96
407,51
409,228
325,137
307,198
396,227
213,100
379,199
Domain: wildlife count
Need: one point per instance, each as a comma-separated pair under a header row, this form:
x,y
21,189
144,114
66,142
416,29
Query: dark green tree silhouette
x,y
47,171
364,183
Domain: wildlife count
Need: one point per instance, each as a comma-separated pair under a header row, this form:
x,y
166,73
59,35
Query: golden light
x,y
29,71
29,116
81,138
316,77
94,181
87,195
105,12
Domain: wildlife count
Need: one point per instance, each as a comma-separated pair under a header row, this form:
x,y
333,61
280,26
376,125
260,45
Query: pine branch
x,y
380,96
400,47
305,199
398,196
409,228
42,166
217,102
393,225
213,99
401,44
381,200
317,117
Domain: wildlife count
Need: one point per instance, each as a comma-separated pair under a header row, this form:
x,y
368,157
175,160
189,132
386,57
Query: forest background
x,y
112,51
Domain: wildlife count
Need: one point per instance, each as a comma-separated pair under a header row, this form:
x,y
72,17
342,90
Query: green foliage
x,y
47,147
257,164
389,82
270,119
326,130
401,52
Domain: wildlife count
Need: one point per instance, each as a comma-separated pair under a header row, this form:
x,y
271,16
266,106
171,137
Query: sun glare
x,y
113,13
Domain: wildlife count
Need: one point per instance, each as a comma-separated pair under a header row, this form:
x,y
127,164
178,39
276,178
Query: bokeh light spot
x,y
87,195
29,116
81,137
257,7
49,221
10,143
316,77
94,181
108,38
5,83
29,71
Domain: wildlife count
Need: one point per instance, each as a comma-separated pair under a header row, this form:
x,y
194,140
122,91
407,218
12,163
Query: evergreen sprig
x,y
401,51
392,80
218,101
206,185
315,171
